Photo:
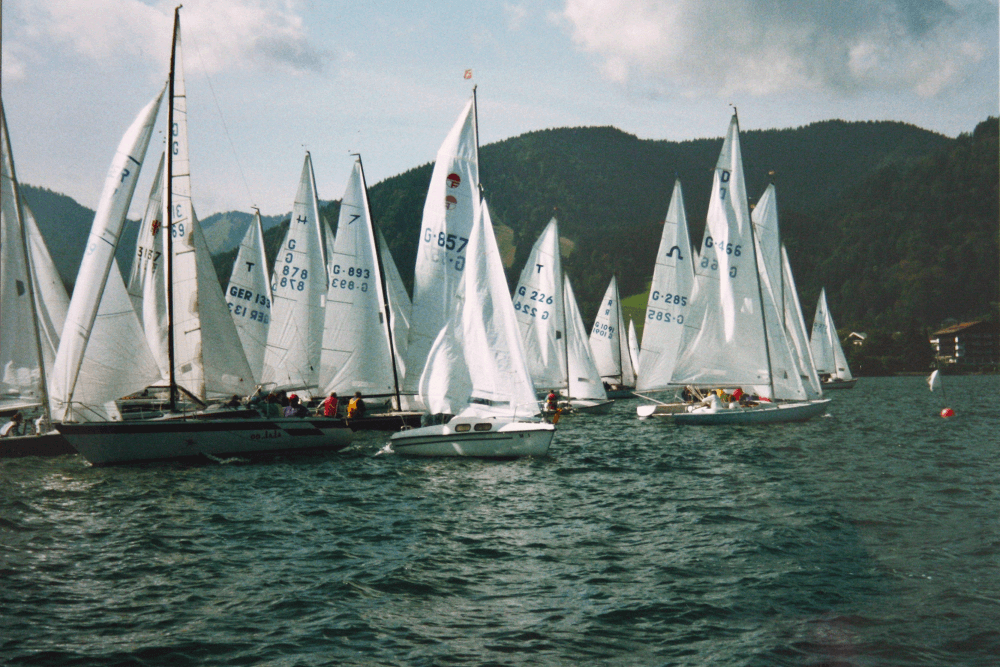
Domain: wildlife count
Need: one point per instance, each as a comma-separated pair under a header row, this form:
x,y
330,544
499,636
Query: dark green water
x,y
868,537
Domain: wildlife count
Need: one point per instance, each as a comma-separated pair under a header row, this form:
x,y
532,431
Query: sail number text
x,y
257,313
355,276
603,330
536,296
447,242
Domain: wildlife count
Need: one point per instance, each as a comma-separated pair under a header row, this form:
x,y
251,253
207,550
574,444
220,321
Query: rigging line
x,y
222,119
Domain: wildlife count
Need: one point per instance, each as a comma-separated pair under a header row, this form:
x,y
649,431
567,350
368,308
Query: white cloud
x,y
516,14
218,35
761,47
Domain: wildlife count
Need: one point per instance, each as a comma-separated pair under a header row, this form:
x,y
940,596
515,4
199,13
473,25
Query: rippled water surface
x,y
868,537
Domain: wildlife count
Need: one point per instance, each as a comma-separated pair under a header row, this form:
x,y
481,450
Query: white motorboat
x,y
466,435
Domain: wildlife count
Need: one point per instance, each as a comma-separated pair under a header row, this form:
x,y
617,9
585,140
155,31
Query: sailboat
x,y
585,386
831,363
542,310
609,342
733,337
666,308
475,367
32,311
295,338
199,435
249,296
633,348
358,352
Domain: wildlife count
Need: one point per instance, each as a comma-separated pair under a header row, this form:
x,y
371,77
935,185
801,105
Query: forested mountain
x,y
898,223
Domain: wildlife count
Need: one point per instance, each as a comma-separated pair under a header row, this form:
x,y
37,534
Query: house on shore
x,y
968,344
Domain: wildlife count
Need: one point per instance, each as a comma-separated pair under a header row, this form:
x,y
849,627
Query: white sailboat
x,y
733,338
609,342
475,367
831,363
358,345
32,308
449,214
299,286
667,306
586,390
633,348
199,435
249,296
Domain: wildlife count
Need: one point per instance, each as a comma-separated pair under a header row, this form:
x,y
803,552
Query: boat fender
x,y
555,417
947,412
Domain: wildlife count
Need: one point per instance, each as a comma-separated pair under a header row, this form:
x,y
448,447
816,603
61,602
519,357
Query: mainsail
x,y
294,341
538,305
669,299
450,212
399,305
825,344
609,339
584,379
249,296
356,347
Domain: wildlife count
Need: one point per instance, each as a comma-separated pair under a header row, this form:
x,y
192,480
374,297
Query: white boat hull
x,y
136,441
591,407
765,413
504,439
838,384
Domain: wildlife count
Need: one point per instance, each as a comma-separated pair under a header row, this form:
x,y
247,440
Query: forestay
x,y
355,355
450,211
299,287
249,296
538,306
667,307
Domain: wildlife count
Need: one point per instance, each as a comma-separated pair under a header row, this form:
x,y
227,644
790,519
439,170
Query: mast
x,y
169,176
29,273
385,291
475,124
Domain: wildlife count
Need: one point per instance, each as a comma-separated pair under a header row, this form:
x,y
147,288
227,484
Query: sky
x,y
269,79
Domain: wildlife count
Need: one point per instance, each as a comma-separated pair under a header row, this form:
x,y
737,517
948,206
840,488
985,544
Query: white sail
x,y
795,326
298,285
399,305
839,358
669,298
449,214
538,305
355,355
609,340
723,343
584,379
21,363
633,347
788,377
147,284
207,360
249,296
94,272
328,243
51,300
825,343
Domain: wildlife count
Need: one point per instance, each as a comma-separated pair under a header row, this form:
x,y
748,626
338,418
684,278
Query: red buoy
x,y
947,412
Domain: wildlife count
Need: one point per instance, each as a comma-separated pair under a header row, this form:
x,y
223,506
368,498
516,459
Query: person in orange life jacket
x,y
356,407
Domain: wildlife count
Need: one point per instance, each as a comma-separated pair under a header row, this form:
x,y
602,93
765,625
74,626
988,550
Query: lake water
x,y
870,536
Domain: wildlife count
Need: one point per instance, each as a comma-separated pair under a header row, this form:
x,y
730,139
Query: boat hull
x,y
103,443
505,439
47,444
390,421
594,407
762,414
839,384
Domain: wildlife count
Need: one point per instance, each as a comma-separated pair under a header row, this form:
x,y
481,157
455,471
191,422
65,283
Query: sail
x,y
538,305
723,342
669,298
93,274
501,381
399,305
147,284
328,243
633,346
789,378
821,338
839,359
51,300
609,340
796,328
449,214
21,364
584,379
249,296
295,339
355,355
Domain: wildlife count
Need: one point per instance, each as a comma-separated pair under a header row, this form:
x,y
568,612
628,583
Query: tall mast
x,y
385,291
170,214
29,273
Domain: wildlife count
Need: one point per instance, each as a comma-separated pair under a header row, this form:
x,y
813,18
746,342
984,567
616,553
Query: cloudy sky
x,y
268,79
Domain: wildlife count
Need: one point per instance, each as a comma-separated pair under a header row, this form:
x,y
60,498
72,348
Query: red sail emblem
x,y
450,202
155,226
454,180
